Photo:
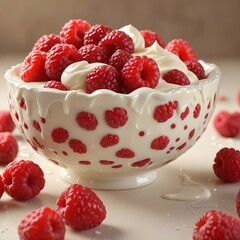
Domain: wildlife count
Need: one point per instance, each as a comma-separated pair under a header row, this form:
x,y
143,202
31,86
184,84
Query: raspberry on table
x,y
182,49
33,67
227,124
176,76
119,58
150,37
227,165
1,187
6,122
140,71
96,33
80,207
116,117
59,57
55,84
217,225
42,224
73,32
103,77
23,179
92,53
197,68
46,42
117,40
8,147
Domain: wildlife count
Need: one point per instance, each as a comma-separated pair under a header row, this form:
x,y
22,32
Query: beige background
x,y
211,26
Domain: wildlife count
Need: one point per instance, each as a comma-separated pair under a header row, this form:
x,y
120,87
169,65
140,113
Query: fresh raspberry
x,y
59,135
238,203
197,68
87,121
125,153
77,146
80,207
227,165
55,84
46,42
1,187
165,111
176,76
160,143
117,40
33,67
182,49
216,225
6,122
117,117
96,33
103,77
140,71
92,53
119,58
227,124
8,147
23,179
59,57
42,224
150,37
109,140
73,32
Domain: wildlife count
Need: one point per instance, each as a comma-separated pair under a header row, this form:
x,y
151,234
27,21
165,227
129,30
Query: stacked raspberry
x,y
121,70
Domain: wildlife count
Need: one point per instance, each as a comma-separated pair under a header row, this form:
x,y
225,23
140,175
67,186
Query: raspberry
x,y
33,67
73,32
42,224
59,135
119,58
103,77
109,140
1,187
80,207
165,111
140,71
6,122
227,124
23,179
150,37
77,146
59,57
87,120
8,147
55,84
182,49
117,117
176,76
96,33
197,68
117,40
216,225
92,53
238,203
227,165
46,42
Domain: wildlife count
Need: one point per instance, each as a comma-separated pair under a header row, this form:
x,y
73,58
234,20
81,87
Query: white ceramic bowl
x,y
156,129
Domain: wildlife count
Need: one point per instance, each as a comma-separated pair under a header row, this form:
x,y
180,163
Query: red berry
x,y
6,122
119,58
227,165
117,40
140,71
103,77
176,76
73,32
117,117
55,84
92,53
238,203
59,135
42,224
33,67
8,147
150,37
197,68
96,33
80,207
182,49
109,140
216,225
87,120
46,42
23,179
227,124
1,187
59,57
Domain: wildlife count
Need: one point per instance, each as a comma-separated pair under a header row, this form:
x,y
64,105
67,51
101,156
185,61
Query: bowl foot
x,y
109,182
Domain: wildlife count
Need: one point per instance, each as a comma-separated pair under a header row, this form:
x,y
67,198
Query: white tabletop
x,y
142,213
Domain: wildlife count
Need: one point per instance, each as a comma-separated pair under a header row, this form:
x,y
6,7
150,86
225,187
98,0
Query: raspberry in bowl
x,y
111,113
